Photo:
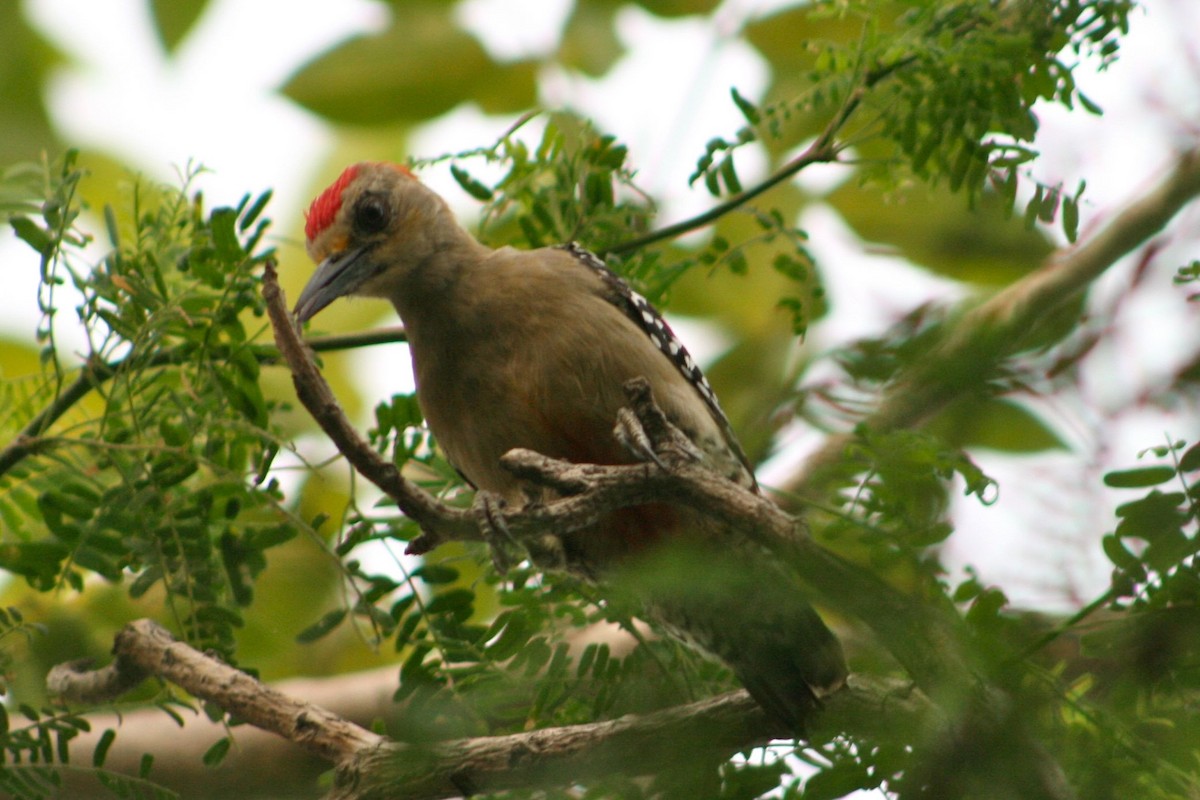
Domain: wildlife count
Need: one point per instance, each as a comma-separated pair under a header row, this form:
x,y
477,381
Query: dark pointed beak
x,y
335,277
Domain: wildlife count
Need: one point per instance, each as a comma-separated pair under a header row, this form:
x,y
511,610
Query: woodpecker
x,y
532,349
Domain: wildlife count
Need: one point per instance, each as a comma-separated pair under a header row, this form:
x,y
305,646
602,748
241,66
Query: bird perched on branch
x,y
532,349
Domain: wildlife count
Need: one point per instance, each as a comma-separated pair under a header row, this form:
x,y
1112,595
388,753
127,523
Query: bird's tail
x,y
739,605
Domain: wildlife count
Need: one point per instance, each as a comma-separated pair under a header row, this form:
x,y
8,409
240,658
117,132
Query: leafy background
x,y
173,81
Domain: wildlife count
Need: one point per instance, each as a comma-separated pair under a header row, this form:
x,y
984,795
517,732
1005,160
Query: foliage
x,y
149,462
146,464
183,423
934,93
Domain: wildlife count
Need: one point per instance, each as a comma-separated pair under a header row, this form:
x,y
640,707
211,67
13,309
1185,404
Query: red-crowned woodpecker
x,y
532,349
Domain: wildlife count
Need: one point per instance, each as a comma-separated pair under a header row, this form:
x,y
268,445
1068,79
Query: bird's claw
x,y
660,443
632,436
488,509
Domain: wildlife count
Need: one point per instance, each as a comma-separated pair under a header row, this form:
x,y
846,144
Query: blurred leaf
x,y
1190,460
216,754
174,19
322,626
994,424
1157,520
677,8
1156,645
589,40
933,228
387,77
787,40
836,781
1139,478
25,61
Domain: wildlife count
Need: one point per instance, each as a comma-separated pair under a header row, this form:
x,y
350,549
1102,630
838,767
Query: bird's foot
x,y
632,436
488,509
644,430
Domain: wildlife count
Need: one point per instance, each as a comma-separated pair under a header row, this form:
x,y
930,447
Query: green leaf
x,y
224,233
1139,478
1089,105
101,751
1070,219
512,636
454,600
1034,209
174,19
589,42
986,607
1001,425
1190,460
434,574
710,183
404,633
250,215
1157,519
56,500
216,754
836,781
172,467
936,230
598,190
32,234
748,109
1117,553
219,615
729,175
38,562
470,185
322,626
386,78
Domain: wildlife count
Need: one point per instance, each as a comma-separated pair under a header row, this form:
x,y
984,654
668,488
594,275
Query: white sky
x,y
214,102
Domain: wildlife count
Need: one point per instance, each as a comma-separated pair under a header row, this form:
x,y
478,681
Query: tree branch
x,y
925,639
1002,325
260,764
823,150
144,648
347,341
368,766
29,440
631,745
317,397
95,372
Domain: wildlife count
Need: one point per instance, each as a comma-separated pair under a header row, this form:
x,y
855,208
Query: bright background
x,y
214,101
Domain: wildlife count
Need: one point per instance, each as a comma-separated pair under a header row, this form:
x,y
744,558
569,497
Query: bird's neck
x,y
437,281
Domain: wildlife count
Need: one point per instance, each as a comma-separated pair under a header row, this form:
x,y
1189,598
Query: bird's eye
x,y
371,215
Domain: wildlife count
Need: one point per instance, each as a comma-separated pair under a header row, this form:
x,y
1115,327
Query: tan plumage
x,y
532,349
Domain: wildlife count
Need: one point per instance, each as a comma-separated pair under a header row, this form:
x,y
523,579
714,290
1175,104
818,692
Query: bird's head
x,y
368,231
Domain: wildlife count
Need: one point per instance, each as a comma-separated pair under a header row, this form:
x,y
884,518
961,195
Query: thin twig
x,y
317,397
347,341
96,372
823,150
29,441
819,152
